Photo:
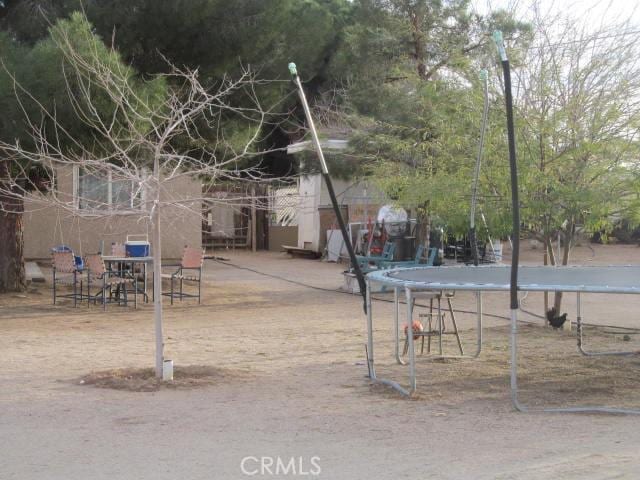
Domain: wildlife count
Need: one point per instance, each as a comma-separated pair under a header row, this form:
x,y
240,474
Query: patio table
x,y
122,263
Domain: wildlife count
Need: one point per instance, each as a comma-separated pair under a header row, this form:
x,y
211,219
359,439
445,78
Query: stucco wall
x,y
46,225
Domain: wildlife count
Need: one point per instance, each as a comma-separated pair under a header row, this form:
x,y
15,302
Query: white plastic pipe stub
x,y
167,370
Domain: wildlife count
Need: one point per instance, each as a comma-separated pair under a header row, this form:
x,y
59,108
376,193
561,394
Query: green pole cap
x,y
293,69
497,37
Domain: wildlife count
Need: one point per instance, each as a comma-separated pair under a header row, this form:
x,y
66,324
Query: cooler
x,y
137,248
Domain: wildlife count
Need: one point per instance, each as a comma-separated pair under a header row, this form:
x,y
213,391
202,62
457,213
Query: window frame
x,y
135,205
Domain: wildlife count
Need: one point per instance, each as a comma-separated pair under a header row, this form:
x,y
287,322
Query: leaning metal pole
x,y
325,174
476,173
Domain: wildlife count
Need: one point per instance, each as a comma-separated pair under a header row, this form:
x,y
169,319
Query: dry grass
x,y
144,379
551,370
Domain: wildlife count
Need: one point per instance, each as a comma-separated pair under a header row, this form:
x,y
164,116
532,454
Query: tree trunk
x,y
568,237
415,16
12,272
424,226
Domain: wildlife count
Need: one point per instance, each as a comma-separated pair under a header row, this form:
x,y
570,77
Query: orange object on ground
x,y
416,326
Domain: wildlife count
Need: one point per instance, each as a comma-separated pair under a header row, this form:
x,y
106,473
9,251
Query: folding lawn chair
x,y
65,272
190,270
98,275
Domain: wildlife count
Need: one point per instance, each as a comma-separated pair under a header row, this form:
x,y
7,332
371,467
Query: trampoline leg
x,y
440,330
371,369
412,351
396,322
587,353
479,308
430,321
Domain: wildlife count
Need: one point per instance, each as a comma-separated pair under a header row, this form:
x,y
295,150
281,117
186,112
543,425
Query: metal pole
x,y
476,173
369,331
479,308
579,333
325,174
412,352
440,331
515,209
254,222
396,323
157,270
514,361
515,204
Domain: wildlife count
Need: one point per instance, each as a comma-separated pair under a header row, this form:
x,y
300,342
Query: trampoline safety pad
x,y
607,279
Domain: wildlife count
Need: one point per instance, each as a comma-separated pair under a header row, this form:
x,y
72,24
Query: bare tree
x,y
174,128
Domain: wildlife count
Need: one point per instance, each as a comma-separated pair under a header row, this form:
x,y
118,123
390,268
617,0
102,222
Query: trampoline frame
x,y
383,277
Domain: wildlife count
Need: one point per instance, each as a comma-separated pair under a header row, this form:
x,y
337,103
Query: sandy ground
x,y
296,387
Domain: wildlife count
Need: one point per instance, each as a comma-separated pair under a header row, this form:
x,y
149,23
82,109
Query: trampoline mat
x,y
609,279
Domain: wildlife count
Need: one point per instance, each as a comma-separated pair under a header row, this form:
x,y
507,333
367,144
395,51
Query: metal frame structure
x,y
581,280
410,298
105,280
431,332
121,263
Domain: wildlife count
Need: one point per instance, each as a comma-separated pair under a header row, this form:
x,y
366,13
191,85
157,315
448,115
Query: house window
x,y
101,191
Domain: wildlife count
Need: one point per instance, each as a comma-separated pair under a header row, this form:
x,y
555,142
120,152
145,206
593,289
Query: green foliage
x,y
424,158
28,21
410,70
405,73
44,84
579,151
216,37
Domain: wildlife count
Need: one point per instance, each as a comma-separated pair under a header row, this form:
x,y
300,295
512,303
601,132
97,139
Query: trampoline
x,y
579,279
576,279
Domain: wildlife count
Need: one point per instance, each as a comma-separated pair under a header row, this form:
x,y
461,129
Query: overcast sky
x,y
596,13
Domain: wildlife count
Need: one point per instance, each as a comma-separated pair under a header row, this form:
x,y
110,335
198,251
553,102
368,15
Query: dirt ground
x,y
290,382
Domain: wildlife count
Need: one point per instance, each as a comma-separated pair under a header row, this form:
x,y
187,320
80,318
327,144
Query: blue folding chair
x,y
368,263
415,262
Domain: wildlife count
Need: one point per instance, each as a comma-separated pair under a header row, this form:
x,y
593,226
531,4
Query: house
x,y
250,216
90,212
298,214
316,219
359,203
